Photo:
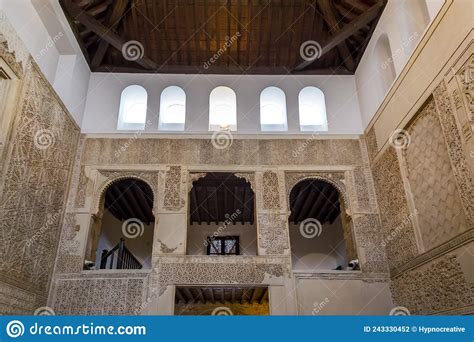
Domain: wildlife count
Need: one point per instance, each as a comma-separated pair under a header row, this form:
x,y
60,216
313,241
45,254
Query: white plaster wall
x,y
327,297
404,22
111,232
103,100
197,235
323,252
44,30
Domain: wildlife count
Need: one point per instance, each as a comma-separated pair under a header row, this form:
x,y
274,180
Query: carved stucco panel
x,y
369,241
440,286
432,182
273,234
393,207
269,191
173,197
452,135
43,143
102,296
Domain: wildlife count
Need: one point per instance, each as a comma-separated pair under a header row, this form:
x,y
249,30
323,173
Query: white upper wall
x,y
103,100
402,24
45,32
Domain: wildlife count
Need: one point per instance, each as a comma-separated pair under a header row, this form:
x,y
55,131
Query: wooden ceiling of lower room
x,y
224,36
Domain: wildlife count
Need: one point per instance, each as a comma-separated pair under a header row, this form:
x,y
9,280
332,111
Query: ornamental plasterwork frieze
x,y
111,176
270,191
466,78
455,150
336,178
172,199
99,296
273,238
195,270
438,287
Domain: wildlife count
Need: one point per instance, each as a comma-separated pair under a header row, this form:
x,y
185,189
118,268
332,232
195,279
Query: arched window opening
x,y
312,110
273,110
221,216
172,109
386,68
133,108
320,231
222,109
122,235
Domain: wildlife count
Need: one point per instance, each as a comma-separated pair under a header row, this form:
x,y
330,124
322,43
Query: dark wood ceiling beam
x,y
113,20
329,204
357,4
119,197
143,206
317,205
189,294
211,294
104,32
264,296
195,208
223,70
303,193
180,296
308,204
254,295
98,9
335,26
345,32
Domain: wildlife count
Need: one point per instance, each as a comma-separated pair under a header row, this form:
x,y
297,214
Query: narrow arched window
x,y
273,110
386,73
222,109
172,109
133,107
312,110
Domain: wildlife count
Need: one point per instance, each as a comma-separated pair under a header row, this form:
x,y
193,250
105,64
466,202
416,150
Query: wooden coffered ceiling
x,y
223,36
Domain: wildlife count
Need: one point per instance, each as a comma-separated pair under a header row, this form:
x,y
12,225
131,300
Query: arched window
x,y
133,107
172,109
273,110
312,109
384,59
222,109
